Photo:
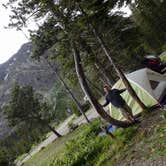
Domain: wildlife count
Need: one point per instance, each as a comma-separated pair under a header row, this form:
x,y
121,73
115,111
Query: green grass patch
x,y
21,157
83,147
46,155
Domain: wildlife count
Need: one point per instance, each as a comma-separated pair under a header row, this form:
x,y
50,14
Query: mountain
x,y
22,69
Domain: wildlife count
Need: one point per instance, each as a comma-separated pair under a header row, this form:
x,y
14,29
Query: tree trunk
x,y
54,131
44,122
97,64
118,70
70,92
86,89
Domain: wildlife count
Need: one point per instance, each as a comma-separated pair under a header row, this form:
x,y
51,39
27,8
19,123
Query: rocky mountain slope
x,y
22,69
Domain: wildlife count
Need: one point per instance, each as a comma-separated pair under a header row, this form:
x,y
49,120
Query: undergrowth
x,y
88,148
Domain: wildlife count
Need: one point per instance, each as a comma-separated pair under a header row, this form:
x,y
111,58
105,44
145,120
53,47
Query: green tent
x,y
149,85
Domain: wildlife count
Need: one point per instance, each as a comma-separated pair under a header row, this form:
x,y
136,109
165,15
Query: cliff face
x,y
22,69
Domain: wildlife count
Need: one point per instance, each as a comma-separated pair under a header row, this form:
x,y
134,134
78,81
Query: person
x,y
113,96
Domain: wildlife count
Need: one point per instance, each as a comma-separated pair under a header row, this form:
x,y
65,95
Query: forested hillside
x,y
21,69
81,46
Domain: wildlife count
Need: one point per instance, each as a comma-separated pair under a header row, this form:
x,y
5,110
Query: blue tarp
x,y
110,129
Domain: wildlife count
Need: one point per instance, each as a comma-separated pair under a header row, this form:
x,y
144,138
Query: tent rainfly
x,y
150,87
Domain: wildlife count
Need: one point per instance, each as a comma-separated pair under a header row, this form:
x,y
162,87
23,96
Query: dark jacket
x,y
114,97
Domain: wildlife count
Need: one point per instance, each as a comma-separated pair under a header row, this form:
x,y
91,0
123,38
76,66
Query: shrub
x,y
72,126
83,149
163,115
86,106
89,148
163,47
3,158
74,109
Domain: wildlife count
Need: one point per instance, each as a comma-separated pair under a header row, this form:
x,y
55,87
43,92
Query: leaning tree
x,y
66,18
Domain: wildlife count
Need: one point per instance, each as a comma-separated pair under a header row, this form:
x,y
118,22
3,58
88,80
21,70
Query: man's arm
x,y
106,103
121,91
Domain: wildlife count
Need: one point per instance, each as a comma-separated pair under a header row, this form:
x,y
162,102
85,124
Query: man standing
x,y
113,96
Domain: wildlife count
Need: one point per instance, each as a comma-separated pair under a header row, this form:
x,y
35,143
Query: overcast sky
x,y
10,39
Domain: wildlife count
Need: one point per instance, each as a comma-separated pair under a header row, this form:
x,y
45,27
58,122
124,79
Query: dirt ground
x,y
148,147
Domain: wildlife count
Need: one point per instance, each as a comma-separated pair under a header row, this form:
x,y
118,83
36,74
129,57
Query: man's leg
x,y
126,114
128,109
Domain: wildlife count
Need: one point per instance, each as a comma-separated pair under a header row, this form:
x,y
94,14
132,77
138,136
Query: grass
x,y
137,145
146,148
80,146
47,154
21,157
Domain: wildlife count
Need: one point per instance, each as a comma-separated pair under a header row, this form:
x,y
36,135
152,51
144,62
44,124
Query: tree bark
x,y
70,92
44,122
86,90
54,131
97,64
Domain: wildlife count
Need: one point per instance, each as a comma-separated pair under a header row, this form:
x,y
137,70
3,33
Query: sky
x,y
10,39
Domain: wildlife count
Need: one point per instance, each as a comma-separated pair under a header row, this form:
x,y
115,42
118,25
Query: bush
x,y
88,148
86,106
83,149
3,158
163,115
74,109
163,47
72,126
